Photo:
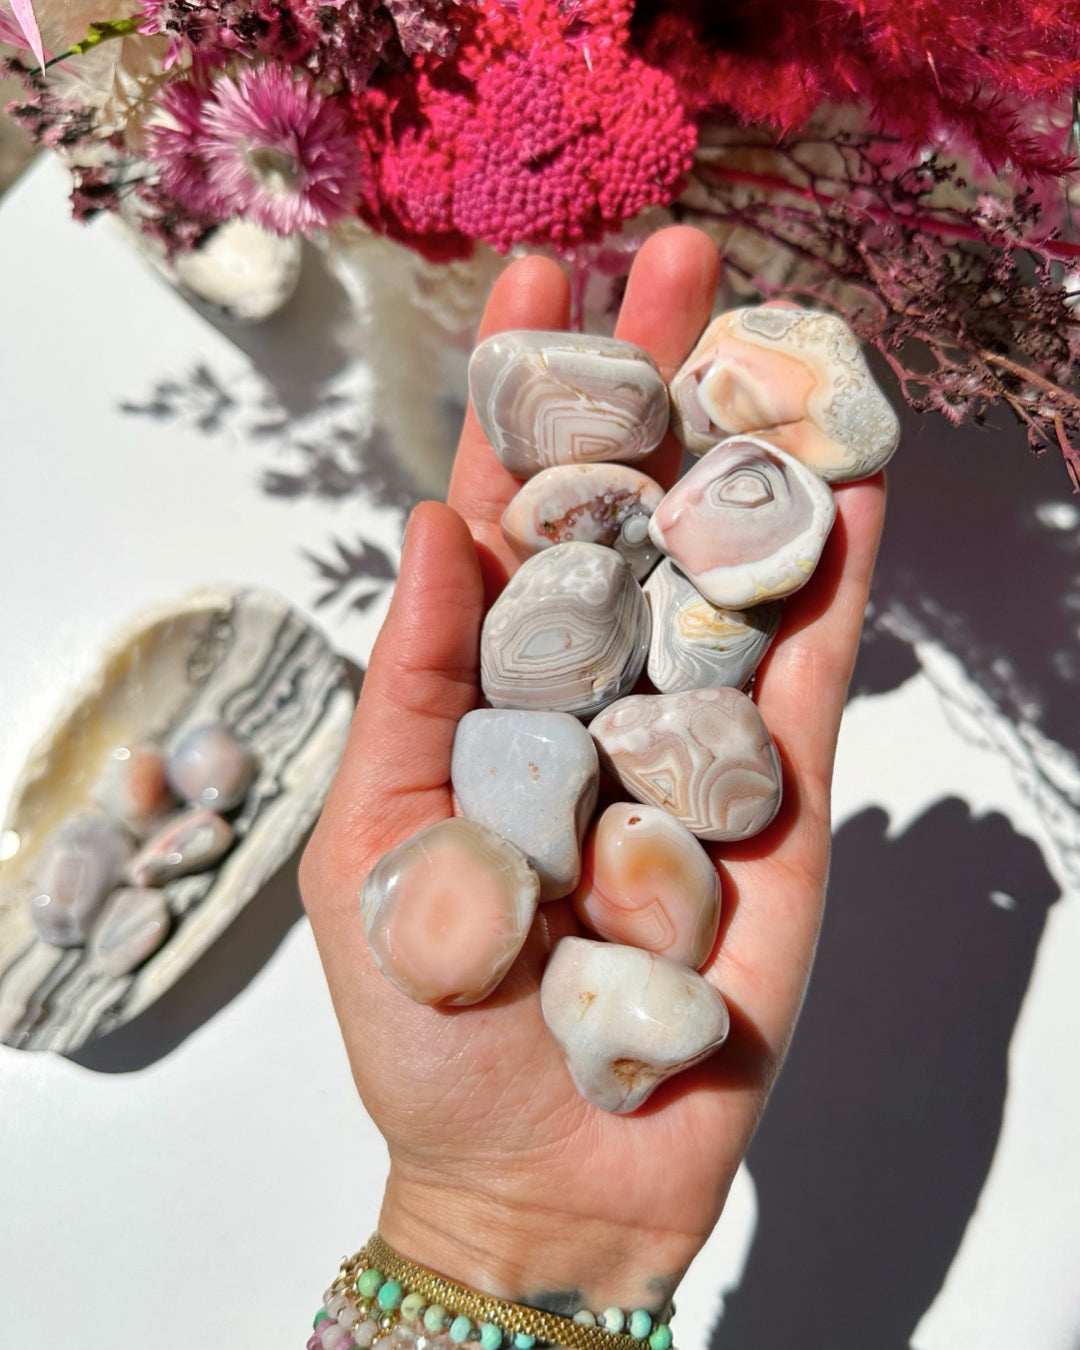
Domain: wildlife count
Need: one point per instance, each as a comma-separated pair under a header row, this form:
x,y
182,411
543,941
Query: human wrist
x,y
533,1253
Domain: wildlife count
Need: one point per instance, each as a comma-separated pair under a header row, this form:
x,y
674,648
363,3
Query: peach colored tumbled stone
x,y
647,882
447,911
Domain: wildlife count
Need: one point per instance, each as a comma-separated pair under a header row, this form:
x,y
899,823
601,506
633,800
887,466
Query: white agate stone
x,y
447,911
133,787
607,504
747,523
627,1019
695,643
79,866
190,842
795,376
210,766
569,633
566,398
647,882
705,755
532,778
133,924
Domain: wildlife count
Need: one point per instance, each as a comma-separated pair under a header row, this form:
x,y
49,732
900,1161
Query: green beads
x,y
524,1342
389,1295
585,1318
320,1316
491,1337
460,1328
412,1305
436,1317
660,1338
613,1319
367,1286
640,1324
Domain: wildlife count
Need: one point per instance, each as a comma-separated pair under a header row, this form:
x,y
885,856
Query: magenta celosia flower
x,y
265,144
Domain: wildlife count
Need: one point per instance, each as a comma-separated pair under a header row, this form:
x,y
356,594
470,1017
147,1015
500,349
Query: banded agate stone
x,y
569,633
705,755
447,911
695,643
747,523
79,866
607,504
566,398
210,766
190,842
532,778
133,924
795,376
626,1019
647,882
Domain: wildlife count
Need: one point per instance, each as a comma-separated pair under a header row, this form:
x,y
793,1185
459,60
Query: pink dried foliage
x,y
988,76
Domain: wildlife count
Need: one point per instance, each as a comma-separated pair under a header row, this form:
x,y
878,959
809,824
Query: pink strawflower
x,y
264,144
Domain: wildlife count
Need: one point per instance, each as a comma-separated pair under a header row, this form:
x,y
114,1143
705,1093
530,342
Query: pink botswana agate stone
x,y
647,882
447,911
705,755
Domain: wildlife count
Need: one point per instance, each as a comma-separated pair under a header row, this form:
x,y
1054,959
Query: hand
x,y
501,1175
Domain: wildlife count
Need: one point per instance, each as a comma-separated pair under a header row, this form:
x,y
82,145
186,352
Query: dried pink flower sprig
x,y
819,142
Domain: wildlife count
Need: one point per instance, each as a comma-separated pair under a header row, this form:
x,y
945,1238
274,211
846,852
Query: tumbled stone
x,y
607,504
190,842
747,523
694,643
797,377
133,788
705,755
211,766
569,633
447,911
566,398
79,865
647,882
132,926
532,778
626,1019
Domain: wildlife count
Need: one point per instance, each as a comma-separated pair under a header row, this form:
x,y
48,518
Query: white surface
x,y
206,1199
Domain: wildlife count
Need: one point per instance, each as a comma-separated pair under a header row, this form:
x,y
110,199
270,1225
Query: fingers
x,y
532,293
394,774
668,302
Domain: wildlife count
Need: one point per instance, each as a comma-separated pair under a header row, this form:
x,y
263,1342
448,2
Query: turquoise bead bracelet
x,y
381,1291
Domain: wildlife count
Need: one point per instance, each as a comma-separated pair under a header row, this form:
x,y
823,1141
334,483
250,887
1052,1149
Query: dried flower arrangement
x,y
909,164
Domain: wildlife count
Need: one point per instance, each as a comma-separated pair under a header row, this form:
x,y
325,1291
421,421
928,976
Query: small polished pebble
x,y
389,1295
133,787
747,523
796,376
626,1020
607,504
695,643
491,1336
660,1337
569,633
79,865
704,755
613,1319
532,778
586,1317
132,925
211,766
191,841
447,911
460,1328
566,398
647,882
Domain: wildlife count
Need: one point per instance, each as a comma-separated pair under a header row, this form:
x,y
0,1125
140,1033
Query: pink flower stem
x,y
1058,249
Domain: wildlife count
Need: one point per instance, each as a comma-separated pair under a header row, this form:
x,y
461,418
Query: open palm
x,y
501,1175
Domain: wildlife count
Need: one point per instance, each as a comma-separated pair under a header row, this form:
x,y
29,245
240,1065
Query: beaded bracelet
x,y
379,1294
